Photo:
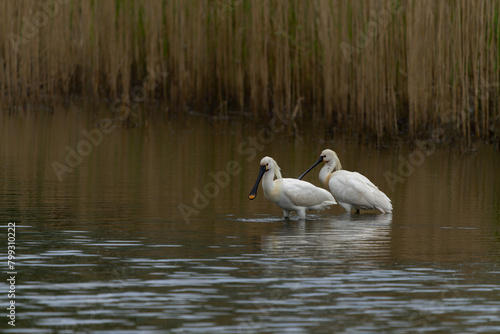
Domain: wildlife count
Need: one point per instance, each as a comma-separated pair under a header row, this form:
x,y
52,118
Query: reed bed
x,y
381,67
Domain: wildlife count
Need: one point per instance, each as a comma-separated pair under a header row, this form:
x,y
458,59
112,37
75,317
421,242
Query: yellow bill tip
x,y
251,196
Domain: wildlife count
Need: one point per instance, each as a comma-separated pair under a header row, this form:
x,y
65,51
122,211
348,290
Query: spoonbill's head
x,y
327,156
331,158
267,164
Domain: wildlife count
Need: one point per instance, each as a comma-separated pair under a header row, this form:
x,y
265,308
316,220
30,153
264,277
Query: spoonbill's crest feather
x,y
277,169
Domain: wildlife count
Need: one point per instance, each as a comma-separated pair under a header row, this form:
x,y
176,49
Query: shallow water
x,y
105,249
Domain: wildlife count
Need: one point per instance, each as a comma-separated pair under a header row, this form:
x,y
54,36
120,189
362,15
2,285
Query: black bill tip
x,y
253,192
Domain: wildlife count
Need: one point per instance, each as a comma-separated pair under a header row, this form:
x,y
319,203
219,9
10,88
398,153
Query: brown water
x,y
104,248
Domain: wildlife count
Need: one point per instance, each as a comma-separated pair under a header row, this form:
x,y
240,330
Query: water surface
x,y
105,248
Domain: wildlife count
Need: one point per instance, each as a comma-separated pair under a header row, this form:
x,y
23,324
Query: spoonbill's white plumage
x,y
290,194
351,189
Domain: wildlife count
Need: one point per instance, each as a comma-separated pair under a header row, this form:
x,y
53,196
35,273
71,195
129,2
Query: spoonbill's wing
x,y
356,189
302,193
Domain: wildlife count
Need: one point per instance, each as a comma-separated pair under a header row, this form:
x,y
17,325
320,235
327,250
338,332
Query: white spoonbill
x,y
351,189
290,194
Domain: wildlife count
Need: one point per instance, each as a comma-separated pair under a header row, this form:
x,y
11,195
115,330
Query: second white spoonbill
x,y
351,189
290,194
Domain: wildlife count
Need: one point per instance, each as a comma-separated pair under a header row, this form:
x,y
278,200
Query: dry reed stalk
x,y
421,64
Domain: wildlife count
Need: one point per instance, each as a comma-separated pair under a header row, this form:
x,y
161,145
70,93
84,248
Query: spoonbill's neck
x,y
326,172
269,185
267,180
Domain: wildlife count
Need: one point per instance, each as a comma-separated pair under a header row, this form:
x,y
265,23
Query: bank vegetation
x,y
386,68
